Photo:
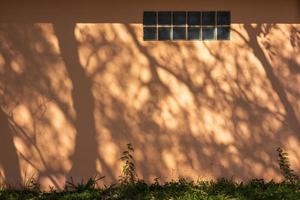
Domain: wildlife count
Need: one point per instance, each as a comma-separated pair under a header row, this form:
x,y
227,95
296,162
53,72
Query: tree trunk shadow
x,y
276,84
85,153
8,154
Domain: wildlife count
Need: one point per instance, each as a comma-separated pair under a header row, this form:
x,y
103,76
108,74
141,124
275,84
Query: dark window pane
x,y
194,33
208,33
179,33
164,33
223,33
149,18
164,18
194,18
208,18
223,18
150,33
179,18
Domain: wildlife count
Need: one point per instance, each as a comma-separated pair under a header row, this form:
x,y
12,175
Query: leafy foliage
x,y
83,186
129,175
31,184
285,167
182,189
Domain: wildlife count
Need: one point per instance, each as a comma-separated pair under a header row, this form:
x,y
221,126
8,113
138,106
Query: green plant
x,y
83,186
128,170
285,167
31,184
2,186
180,189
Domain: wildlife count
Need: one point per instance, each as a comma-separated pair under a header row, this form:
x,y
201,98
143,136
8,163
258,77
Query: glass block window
x,y
223,25
183,25
150,25
164,25
194,31
164,33
165,18
179,25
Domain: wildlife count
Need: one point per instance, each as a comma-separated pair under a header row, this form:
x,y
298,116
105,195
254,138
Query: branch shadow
x,y
8,158
190,109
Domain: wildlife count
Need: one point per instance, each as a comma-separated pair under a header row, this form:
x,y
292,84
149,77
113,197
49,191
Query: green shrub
x,y
83,186
130,188
129,175
285,166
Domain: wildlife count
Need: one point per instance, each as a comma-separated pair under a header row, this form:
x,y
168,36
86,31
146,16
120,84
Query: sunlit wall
x,y
77,83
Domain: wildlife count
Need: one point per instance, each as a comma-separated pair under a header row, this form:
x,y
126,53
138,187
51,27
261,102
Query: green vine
x,y
129,175
285,167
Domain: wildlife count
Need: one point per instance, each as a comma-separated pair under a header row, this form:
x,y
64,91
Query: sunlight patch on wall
x,y
189,108
17,66
2,64
2,176
110,152
23,117
49,35
169,160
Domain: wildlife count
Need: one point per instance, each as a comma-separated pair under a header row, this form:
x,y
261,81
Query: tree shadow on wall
x,y
8,158
237,100
30,86
85,153
107,115
278,87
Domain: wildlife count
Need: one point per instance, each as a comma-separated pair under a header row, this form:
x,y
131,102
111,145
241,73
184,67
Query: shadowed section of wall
x,y
277,86
79,92
9,160
95,11
85,153
76,93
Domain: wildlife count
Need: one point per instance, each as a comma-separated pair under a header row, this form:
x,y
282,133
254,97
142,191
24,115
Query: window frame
x,y
158,27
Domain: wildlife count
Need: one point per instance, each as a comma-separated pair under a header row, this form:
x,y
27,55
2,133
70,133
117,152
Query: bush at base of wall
x,y
180,189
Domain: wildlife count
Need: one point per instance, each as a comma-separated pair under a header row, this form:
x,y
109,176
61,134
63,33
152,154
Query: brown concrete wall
x,y
77,83
130,11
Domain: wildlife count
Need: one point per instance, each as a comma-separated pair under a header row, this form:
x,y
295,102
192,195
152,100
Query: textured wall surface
x,y
77,82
